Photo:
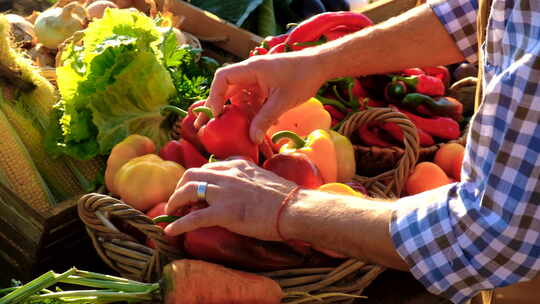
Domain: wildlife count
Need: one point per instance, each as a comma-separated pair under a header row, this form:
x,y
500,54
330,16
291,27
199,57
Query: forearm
x,y
353,226
413,39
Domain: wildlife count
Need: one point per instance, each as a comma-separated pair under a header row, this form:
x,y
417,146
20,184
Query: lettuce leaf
x,y
112,84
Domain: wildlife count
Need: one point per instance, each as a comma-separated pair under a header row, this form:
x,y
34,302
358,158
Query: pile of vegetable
x,y
437,100
145,178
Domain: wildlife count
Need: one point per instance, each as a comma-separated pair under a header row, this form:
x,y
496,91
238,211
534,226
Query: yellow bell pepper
x,y
336,188
147,180
132,146
346,164
339,188
303,119
318,147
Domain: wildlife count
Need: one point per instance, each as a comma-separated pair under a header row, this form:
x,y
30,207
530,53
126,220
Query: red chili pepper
x,y
270,41
258,51
372,137
376,103
395,131
339,31
442,127
440,72
279,48
313,28
425,111
334,113
413,71
182,152
358,90
296,167
228,134
424,84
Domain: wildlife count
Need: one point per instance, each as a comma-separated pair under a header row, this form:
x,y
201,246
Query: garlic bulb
x,y
55,25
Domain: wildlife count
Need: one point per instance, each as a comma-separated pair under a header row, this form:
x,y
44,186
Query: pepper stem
x,y
206,110
165,219
332,102
297,140
176,110
411,81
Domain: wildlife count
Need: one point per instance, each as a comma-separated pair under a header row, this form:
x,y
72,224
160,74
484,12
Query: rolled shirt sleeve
x,y
459,19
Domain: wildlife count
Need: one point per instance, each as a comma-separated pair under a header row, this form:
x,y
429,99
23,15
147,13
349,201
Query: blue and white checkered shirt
x,y
484,232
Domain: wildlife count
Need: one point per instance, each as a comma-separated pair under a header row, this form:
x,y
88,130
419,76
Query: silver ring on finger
x,y
201,191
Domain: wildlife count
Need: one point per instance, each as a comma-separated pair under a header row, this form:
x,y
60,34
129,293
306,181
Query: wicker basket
x,y
130,257
380,162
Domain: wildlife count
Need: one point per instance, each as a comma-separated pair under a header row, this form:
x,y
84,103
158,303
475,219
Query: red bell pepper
x,y
159,210
296,167
219,245
228,134
187,127
182,152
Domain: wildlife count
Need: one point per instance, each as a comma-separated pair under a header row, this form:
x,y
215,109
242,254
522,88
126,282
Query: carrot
x,y
194,282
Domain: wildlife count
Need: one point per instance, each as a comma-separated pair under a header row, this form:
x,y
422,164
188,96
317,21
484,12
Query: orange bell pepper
x,y
346,164
318,147
147,180
302,119
132,146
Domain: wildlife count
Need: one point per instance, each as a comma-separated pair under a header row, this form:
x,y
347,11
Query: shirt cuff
x,y
424,237
459,19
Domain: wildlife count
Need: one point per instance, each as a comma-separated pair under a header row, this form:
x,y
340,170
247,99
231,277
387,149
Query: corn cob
x,y
20,171
43,97
39,103
62,182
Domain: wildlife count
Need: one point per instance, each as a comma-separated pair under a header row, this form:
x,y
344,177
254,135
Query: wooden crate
x,y
212,29
33,242
382,10
31,239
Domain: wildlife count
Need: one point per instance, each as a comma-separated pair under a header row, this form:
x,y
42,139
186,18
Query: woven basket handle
x,y
119,250
393,179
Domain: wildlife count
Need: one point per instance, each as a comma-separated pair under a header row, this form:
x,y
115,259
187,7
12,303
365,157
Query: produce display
x,y
126,77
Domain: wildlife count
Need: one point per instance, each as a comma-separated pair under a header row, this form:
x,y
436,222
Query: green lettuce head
x,y
112,84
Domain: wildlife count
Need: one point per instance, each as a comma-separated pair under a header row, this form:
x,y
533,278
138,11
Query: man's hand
x,y
283,80
242,197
